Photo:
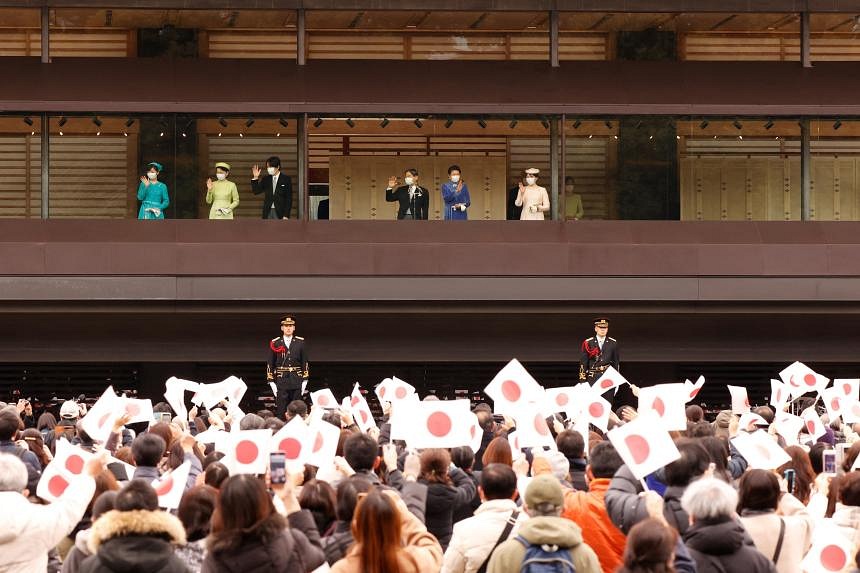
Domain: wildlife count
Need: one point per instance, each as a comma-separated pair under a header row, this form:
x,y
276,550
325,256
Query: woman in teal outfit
x,y
152,194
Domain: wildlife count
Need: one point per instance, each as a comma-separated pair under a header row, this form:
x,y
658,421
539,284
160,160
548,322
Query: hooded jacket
x,y
138,541
725,547
626,507
508,557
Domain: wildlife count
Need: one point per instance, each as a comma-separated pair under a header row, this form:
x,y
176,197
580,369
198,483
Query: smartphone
x,y
278,467
828,462
165,417
840,456
789,476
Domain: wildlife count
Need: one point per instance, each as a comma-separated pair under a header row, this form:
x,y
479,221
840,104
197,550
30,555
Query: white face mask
x,y
152,175
271,170
221,176
530,180
455,178
409,180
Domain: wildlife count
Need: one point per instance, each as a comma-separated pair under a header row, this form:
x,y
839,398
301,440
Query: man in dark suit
x,y
512,212
598,353
414,199
278,189
287,366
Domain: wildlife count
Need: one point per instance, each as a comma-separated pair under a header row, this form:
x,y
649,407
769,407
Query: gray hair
x,y
709,499
13,473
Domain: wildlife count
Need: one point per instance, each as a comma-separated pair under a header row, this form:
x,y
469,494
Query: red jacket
x,y
586,508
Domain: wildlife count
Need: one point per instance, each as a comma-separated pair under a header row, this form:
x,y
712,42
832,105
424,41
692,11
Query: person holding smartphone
x,y
152,193
455,195
221,194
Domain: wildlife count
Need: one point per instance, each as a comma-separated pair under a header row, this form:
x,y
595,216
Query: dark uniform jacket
x,y
593,357
282,197
419,203
287,366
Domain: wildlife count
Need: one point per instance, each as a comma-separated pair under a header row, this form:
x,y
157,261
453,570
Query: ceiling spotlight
x,y
62,121
482,123
318,122
545,123
576,124
61,132
769,124
448,123
737,124
98,132
129,122
513,124
705,123
350,123
28,121
837,124
125,133
222,122
241,134
250,122
283,121
608,124
97,121
384,123
418,123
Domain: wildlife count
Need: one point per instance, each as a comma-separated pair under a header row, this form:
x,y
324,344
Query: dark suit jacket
x,y
512,212
421,201
282,197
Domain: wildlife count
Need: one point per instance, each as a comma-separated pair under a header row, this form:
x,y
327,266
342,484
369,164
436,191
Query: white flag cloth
x,y
596,410
324,398
532,430
171,486
802,379
788,426
694,389
760,450
567,399
399,418
295,439
324,443
851,412
849,387
780,394
749,421
439,424
139,410
831,551
512,387
610,379
644,445
668,401
67,466
174,393
740,401
393,389
98,423
361,410
835,401
209,436
814,425
248,451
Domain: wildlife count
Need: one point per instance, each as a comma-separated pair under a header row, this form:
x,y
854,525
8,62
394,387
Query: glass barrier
x,y
21,166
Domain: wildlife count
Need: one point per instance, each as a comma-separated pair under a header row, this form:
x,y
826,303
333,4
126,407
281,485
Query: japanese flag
x,y
849,387
813,423
440,424
393,389
247,451
360,410
750,421
740,401
512,387
644,445
324,398
760,450
567,399
171,486
67,466
98,423
209,436
611,378
802,379
323,445
532,430
232,389
399,417
596,410
831,551
835,401
693,389
668,401
174,393
295,439
851,412
138,410
788,426
477,433
780,394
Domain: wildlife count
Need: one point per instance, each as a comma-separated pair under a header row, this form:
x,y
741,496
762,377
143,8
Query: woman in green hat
x,y
152,194
221,194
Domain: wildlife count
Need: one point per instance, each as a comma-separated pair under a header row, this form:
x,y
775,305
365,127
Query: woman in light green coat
x,y
221,194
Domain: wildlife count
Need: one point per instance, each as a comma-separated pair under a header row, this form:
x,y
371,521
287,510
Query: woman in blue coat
x,y
152,194
455,195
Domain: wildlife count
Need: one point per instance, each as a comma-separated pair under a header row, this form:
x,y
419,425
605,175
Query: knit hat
x,y
544,489
553,463
721,424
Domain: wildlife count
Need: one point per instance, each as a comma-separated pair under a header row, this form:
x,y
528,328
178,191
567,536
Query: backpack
x,y
545,558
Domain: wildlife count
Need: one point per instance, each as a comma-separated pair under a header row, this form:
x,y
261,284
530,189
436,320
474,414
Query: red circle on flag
x,y
606,383
165,486
132,409
246,452
791,381
834,403
382,391
638,446
763,451
439,424
562,399
355,400
540,425
833,558
472,431
778,395
810,426
363,414
855,409
747,402
809,379
323,400
595,409
57,485
104,419
511,390
75,464
659,406
695,392
291,447
400,393
846,389
319,442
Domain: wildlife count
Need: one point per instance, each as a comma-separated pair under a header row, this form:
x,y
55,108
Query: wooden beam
x,y
805,49
553,39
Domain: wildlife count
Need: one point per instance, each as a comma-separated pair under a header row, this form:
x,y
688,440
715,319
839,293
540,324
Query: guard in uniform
x,y
598,353
287,366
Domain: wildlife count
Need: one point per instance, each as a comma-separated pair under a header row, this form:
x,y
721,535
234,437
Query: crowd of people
x,y
388,508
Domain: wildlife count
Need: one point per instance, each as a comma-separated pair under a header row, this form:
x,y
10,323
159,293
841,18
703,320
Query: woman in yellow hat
x,y
221,194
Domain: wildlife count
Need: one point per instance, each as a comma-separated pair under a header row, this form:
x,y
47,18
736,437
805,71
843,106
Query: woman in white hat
x,y
221,194
532,198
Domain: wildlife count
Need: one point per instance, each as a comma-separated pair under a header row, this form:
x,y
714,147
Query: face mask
x,y
530,180
409,180
455,178
221,176
152,176
271,170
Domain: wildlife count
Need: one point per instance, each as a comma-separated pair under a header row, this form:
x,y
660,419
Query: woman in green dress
x,y
221,194
152,193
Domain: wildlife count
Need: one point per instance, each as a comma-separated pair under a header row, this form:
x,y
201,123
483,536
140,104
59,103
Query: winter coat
x,y
763,528
296,550
138,541
508,557
338,543
192,554
475,537
725,547
588,510
441,501
626,507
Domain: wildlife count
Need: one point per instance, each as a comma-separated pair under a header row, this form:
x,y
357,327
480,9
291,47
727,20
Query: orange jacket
x,y
586,508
